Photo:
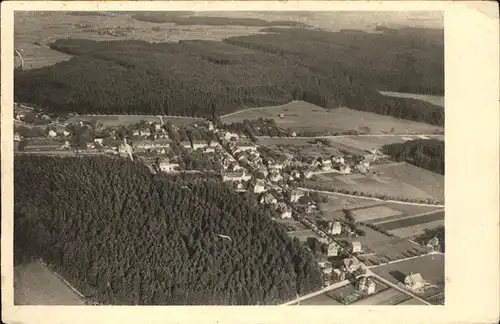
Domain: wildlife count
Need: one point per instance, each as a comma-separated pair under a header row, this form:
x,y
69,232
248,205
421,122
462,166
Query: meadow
x,y
35,284
371,142
34,33
303,116
123,120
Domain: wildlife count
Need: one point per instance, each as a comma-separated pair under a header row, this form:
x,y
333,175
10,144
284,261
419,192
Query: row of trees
x,y
124,236
327,69
425,153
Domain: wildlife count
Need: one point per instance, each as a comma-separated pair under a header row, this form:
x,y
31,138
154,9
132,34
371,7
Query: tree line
x,y
122,235
207,79
425,153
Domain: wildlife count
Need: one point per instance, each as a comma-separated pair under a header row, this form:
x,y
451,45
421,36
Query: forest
x,y
425,153
208,78
124,236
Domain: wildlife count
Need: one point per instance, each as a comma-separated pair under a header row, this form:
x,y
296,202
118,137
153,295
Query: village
x,y
275,180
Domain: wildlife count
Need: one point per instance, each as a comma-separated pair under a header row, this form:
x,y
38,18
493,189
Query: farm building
x,y
208,150
355,247
334,228
198,144
285,211
414,281
247,147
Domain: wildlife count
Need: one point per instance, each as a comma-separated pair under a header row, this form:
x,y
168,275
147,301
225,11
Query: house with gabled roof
x,y
414,281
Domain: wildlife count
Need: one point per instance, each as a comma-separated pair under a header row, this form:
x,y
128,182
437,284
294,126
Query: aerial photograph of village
x,y
229,158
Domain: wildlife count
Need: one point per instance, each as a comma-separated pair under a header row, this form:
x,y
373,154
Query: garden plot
x,y
371,213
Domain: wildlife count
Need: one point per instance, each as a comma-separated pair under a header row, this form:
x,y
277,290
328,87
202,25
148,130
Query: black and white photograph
x,y
229,158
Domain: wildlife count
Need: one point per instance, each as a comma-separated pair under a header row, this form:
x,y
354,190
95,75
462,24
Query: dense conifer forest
x,y
122,235
207,78
428,154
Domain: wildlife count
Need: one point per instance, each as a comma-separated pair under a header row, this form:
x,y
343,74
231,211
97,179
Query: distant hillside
x,y
180,18
204,78
427,154
123,236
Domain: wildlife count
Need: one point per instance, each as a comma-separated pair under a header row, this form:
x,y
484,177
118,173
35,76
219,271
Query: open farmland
x,y
122,120
417,229
34,284
427,181
435,100
333,208
379,248
323,299
411,221
396,181
370,142
431,267
299,115
34,31
388,296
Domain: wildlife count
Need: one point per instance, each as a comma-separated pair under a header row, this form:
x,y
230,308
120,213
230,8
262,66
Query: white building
x,y
296,195
345,169
51,133
308,174
166,166
98,140
414,281
236,176
275,177
335,228
355,247
66,133
333,249
259,187
326,165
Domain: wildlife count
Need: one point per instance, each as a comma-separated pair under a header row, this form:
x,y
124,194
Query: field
x,y
34,284
34,31
379,248
365,214
119,120
333,208
411,302
431,267
299,115
370,142
397,180
304,235
435,100
411,221
417,229
323,299
388,296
